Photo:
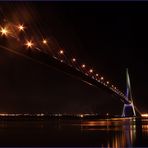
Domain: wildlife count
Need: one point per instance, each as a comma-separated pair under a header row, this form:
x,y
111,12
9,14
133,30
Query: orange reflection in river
x,y
119,132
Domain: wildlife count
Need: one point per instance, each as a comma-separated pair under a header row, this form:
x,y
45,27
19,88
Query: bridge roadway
x,y
70,70
49,61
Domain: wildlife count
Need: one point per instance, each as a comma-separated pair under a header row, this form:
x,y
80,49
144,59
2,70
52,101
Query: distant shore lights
x,y
144,115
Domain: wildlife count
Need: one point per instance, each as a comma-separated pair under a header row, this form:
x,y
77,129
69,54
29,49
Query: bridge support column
x,y
128,110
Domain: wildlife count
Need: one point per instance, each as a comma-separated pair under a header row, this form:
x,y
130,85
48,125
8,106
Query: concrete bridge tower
x,y
128,109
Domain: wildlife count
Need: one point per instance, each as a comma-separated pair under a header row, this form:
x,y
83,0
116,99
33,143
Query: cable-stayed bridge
x,y
48,52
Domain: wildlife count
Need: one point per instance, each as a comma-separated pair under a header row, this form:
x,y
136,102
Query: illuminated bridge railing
x,y
47,50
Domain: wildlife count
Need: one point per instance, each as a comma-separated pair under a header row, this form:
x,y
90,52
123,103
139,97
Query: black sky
x,y
109,36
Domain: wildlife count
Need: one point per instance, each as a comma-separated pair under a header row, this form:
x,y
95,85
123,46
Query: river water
x,y
79,132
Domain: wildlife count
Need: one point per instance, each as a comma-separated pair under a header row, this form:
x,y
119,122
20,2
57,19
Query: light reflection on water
x,y
145,128
113,133
124,131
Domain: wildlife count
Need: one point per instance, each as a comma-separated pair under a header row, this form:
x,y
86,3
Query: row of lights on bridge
x,y
30,44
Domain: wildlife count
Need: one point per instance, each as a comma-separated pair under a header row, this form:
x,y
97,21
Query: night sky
x,y
109,36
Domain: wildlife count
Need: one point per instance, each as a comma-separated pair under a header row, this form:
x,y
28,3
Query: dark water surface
x,y
80,132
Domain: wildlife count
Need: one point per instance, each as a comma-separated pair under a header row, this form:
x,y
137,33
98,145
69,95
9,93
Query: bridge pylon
x,y
128,109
